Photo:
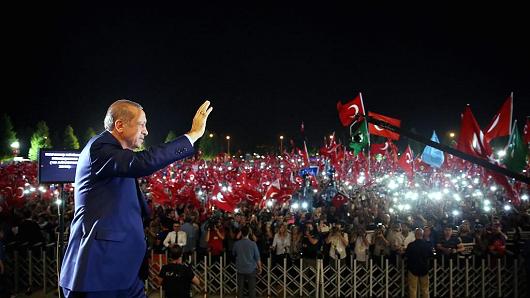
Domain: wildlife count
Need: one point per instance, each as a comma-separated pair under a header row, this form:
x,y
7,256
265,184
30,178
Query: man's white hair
x,y
120,109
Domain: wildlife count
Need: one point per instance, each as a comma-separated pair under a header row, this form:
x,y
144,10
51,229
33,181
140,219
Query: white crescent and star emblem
x,y
409,158
354,106
21,192
378,128
219,197
385,147
494,124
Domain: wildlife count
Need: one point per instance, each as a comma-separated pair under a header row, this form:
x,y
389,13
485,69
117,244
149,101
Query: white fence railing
x,y
35,268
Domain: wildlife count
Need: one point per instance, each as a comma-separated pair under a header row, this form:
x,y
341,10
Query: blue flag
x,y
433,156
313,170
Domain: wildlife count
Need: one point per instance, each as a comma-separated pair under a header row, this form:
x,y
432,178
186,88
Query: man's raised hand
x,y
199,121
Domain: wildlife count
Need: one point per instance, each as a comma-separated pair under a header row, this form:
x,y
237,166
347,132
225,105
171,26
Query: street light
x,y
211,135
281,145
228,142
15,146
451,134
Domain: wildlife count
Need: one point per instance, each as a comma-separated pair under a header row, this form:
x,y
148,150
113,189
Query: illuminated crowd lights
x,y
436,195
524,197
269,203
507,207
411,195
392,184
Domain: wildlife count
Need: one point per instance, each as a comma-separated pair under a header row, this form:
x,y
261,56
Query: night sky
x,y
264,68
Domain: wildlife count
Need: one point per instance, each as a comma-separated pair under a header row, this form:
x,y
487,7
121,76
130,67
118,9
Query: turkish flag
x,y
406,161
379,131
339,200
501,124
305,155
471,139
273,190
352,111
379,148
223,200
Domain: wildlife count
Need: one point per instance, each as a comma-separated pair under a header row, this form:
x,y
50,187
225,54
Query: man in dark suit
x,y
418,254
106,245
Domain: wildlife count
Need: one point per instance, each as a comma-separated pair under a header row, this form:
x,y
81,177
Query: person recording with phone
x,y
338,241
215,236
310,245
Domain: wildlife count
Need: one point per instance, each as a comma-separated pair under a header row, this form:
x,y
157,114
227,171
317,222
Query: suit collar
x,y
107,137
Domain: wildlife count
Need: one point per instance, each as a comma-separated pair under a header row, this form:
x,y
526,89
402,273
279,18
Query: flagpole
x,y
368,153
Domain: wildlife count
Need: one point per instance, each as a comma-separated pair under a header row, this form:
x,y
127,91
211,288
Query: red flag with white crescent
x,y
379,148
406,161
380,131
501,124
352,111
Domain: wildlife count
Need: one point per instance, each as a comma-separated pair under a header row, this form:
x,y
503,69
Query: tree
x,y
88,135
209,146
70,140
171,136
39,140
7,137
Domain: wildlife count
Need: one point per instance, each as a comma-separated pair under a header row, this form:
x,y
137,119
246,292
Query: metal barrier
x,y
34,268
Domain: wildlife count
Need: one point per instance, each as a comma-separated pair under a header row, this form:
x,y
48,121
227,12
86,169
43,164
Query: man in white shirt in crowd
x,y
175,237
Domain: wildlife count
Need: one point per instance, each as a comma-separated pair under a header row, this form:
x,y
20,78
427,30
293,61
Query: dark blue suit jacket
x,y
106,245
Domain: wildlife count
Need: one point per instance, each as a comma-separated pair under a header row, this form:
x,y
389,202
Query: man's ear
x,y
119,125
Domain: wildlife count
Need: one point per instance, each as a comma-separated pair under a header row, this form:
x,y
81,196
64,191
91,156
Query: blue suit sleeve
x,y
108,160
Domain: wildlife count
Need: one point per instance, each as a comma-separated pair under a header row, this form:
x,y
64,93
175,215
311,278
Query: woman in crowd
x,y
280,244
296,242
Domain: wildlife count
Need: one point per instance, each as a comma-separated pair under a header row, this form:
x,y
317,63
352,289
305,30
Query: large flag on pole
x,y
432,156
471,139
379,148
501,124
379,131
516,152
406,162
351,112
305,155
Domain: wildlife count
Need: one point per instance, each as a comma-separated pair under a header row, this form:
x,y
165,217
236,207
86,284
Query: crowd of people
x,y
333,213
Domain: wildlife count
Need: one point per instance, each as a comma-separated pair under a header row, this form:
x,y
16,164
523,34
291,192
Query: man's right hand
x,y
198,125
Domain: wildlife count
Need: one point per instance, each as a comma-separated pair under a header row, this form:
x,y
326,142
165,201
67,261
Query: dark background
x,y
265,68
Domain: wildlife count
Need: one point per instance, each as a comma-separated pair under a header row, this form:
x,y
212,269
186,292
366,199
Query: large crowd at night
x,y
348,205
